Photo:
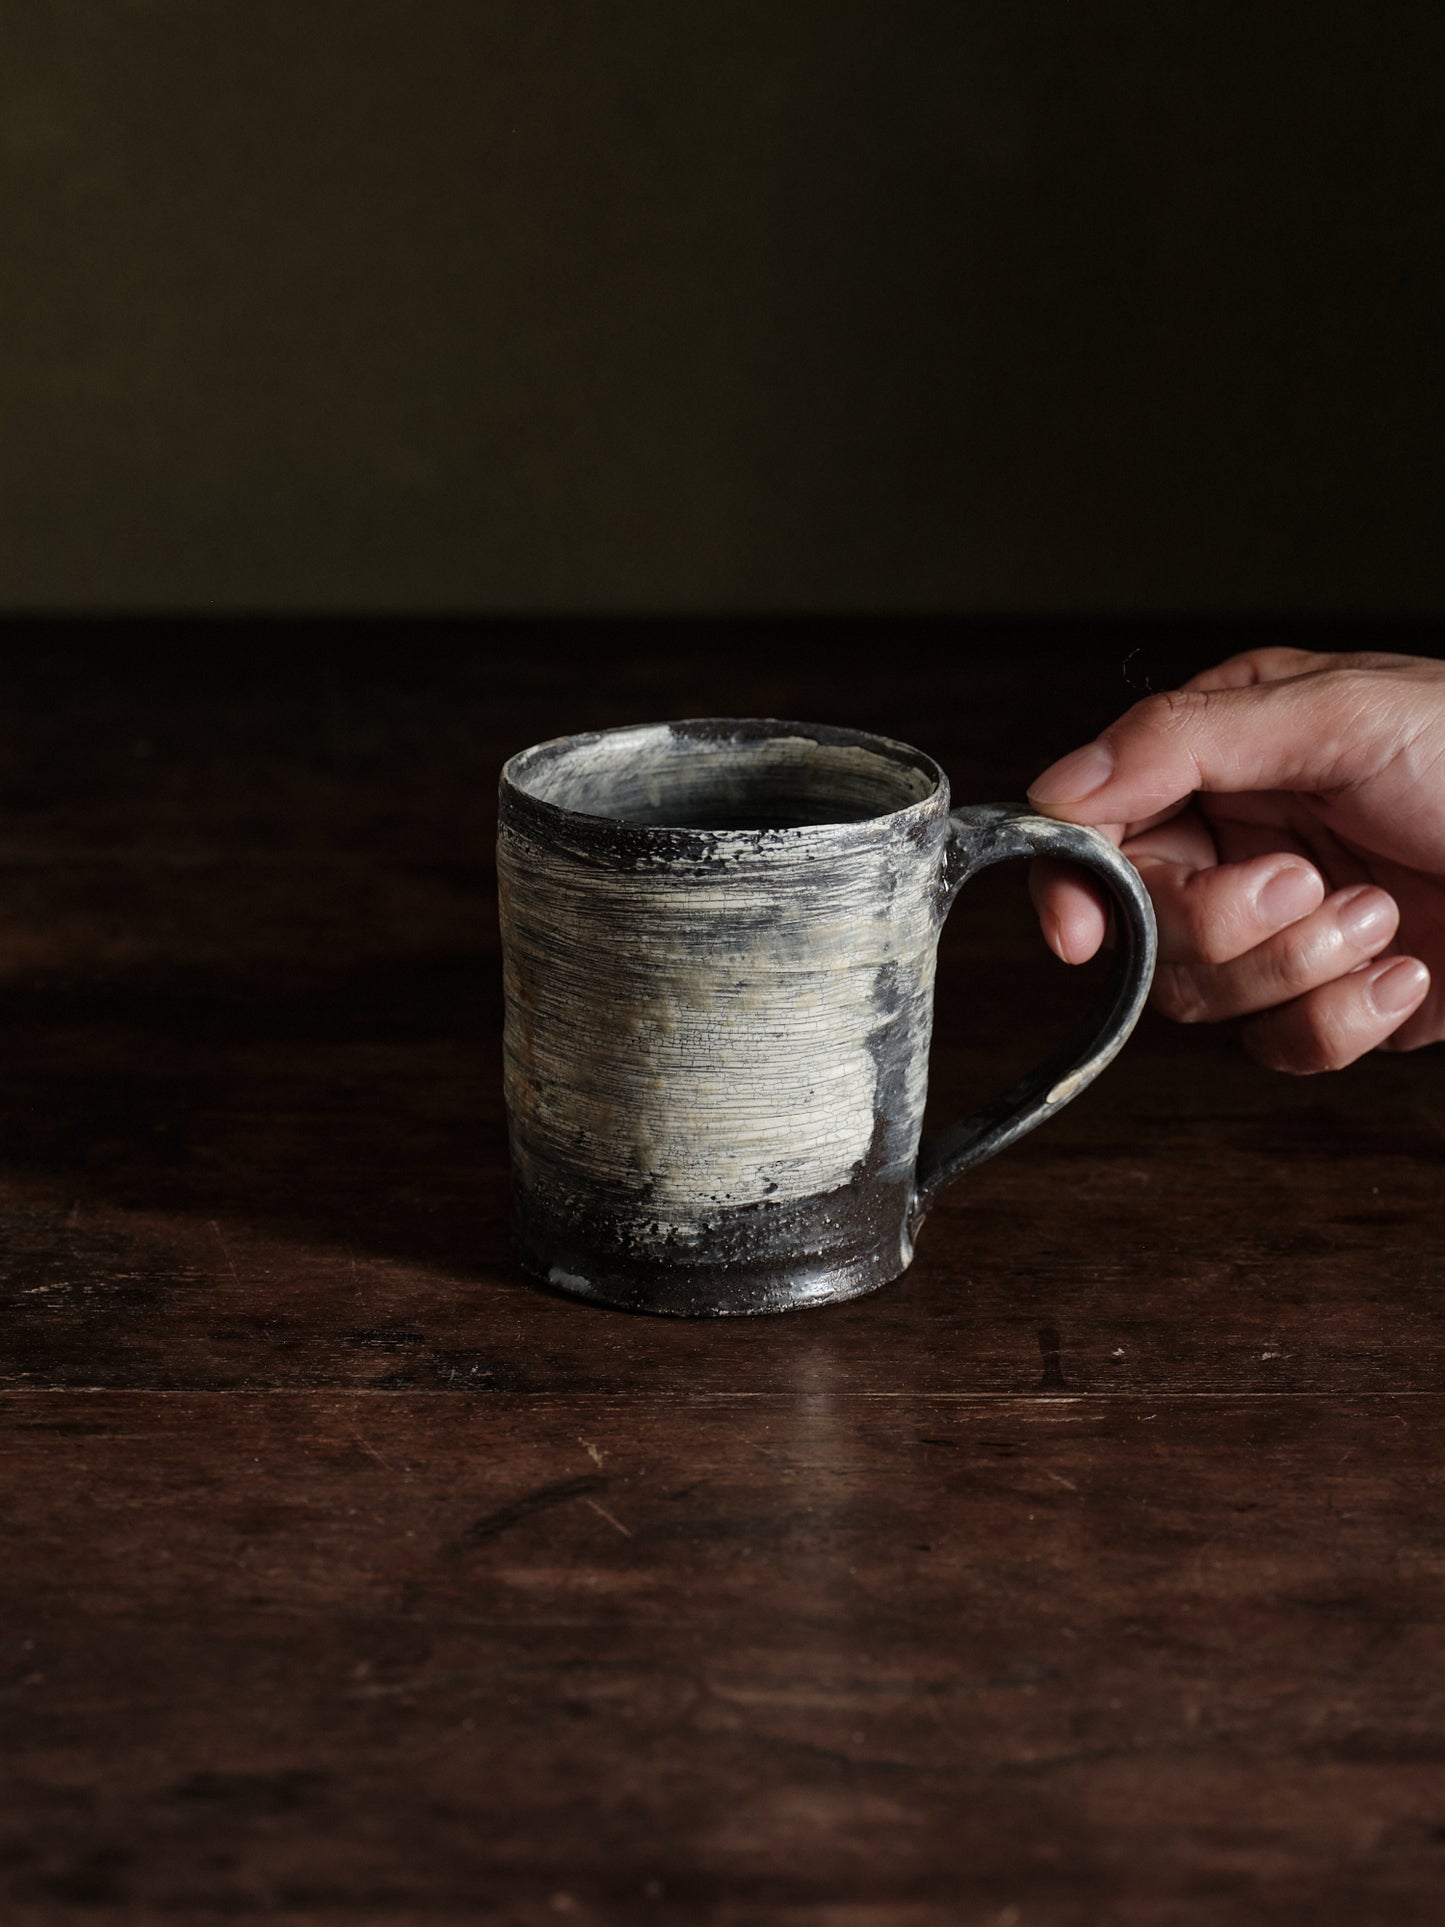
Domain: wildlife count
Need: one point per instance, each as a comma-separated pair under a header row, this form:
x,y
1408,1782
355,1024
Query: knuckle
x,y
1360,662
1366,724
1290,1062
1329,1031
1172,712
1356,677
1211,930
1331,1043
1264,1048
1355,687
1273,662
1169,726
1178,995
1295,1042
1297,961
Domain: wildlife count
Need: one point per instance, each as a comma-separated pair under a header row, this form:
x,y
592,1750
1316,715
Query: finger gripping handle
x,y
995,833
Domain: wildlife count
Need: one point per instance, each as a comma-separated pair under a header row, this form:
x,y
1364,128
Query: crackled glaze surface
x,y
717,1037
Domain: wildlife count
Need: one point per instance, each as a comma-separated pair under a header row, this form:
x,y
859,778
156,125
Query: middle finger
x,y
1347,928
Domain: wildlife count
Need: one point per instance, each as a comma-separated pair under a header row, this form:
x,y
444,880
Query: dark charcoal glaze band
x,y
719,941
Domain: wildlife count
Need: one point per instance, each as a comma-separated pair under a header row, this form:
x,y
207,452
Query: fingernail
x,y
1288,895
1074,776
1367,918
1399,985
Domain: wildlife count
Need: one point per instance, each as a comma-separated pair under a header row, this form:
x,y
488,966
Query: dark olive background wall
x,y
721,305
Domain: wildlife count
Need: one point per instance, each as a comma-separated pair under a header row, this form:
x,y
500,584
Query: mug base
x,y
707,1291
740,1262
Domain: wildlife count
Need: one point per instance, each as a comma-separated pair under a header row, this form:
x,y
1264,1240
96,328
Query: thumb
x,y
1314,732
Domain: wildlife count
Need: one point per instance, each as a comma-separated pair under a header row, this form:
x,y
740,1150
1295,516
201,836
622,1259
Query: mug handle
x,y
994,833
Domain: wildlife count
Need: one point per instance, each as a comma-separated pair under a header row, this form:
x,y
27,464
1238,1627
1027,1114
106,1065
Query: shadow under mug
x,y
718,944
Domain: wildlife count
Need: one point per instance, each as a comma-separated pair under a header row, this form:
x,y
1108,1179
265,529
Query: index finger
x,y
1275,664
1316,732
1252,666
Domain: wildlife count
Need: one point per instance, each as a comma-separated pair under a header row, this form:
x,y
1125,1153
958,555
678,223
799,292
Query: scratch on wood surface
x,y
1198,1561
230,1266
591,1451
603,1513
367,1446
493,1524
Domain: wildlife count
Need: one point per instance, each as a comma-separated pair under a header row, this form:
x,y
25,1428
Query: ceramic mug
x,y
718,944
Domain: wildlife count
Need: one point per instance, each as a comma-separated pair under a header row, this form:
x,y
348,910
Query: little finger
x,y
1348,928
1334,1024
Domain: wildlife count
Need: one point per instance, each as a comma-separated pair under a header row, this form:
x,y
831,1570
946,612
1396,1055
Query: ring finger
x,y
1349,927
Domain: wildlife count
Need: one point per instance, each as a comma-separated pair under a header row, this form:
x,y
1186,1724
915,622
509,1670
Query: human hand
x,y
1286,811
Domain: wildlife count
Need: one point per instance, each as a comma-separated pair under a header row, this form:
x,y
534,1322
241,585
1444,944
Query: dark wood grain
x,y
1092,1573
807,1656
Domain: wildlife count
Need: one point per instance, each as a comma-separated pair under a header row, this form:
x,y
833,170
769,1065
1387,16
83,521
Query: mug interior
x,y
726,774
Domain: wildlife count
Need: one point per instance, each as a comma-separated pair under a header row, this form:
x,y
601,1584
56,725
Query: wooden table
x,y
1090,1574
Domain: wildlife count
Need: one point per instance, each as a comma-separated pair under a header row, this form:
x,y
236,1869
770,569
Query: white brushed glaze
x,y
703,1034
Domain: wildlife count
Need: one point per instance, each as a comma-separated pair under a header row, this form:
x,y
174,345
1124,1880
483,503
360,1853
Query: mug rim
x,y
761,728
